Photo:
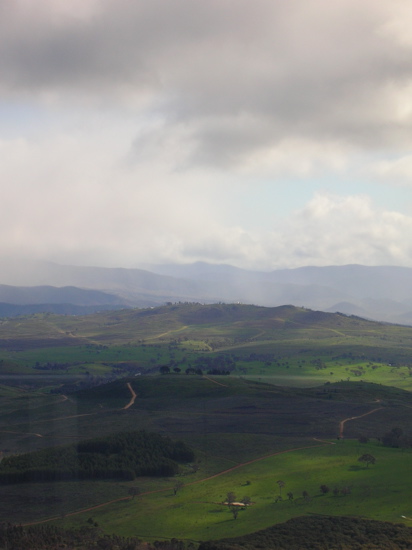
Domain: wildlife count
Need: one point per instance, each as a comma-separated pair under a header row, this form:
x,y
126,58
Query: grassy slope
x,y
228,425
380,492
224,321
348,347
229,422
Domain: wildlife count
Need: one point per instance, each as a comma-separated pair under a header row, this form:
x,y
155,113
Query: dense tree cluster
x,y
84,384
322,533
46,537
124,368
217,364
397,438
54,366
124,455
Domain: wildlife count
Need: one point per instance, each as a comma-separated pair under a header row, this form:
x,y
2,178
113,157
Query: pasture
x,y
197,511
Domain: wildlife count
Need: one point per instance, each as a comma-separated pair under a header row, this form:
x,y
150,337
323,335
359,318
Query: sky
x,y
264,134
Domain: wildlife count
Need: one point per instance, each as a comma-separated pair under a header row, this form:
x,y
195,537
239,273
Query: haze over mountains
x,y
382,293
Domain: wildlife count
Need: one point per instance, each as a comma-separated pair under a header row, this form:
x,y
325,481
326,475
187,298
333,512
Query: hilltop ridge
x,y
374,292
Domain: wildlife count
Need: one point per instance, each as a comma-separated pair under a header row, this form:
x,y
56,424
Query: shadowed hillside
x,y
322,533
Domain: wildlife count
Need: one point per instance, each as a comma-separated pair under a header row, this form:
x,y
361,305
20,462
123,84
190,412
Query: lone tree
x,y
367,459
306,496
281,484
324,489
178,485
246,501
134,491
235,511
231,497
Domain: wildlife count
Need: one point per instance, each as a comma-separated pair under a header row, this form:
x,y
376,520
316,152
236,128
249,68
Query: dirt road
x,y
343,422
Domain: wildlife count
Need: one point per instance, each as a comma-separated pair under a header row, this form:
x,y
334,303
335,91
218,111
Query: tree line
x,y
321,533
43,537
124,455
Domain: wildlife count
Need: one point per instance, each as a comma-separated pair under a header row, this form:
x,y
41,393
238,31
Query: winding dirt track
x,y
343,422
214,381
132,400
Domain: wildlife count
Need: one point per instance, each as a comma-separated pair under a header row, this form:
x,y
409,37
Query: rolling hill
x,y
380,292
259,394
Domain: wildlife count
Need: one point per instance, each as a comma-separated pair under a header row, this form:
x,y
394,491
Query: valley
x,y
259,394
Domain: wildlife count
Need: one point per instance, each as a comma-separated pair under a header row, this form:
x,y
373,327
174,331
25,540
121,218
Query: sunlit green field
x,y
380,491
298,374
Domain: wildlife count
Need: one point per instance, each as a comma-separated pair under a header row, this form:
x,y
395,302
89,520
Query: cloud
x,y
242,77
132,128
342,230
397,171
329,230
78,216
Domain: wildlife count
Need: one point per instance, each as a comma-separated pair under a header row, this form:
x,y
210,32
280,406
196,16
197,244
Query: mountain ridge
x,y
381,293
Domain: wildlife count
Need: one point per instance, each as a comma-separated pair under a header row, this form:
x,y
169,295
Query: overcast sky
x,y
264,134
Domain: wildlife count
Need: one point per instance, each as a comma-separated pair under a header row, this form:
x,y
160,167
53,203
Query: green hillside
x,y
259,394
283,345
236,321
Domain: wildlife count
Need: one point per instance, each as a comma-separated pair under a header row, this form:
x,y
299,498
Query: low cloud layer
x,y
130,129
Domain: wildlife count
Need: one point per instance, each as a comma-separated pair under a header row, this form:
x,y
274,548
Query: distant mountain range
x,y
381,293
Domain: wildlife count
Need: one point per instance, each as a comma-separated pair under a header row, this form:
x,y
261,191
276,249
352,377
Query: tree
x,y
246,501
367,459
281,484
134,491
178,485
393,438
235,511
324,489
164,369
290,496
306,496
230,497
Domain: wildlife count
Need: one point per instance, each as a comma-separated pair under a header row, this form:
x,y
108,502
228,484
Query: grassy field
x,y
288,346
226,424
295,375
197,512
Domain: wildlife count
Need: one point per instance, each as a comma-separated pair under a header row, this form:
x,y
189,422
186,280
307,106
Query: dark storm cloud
x,y
239,75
